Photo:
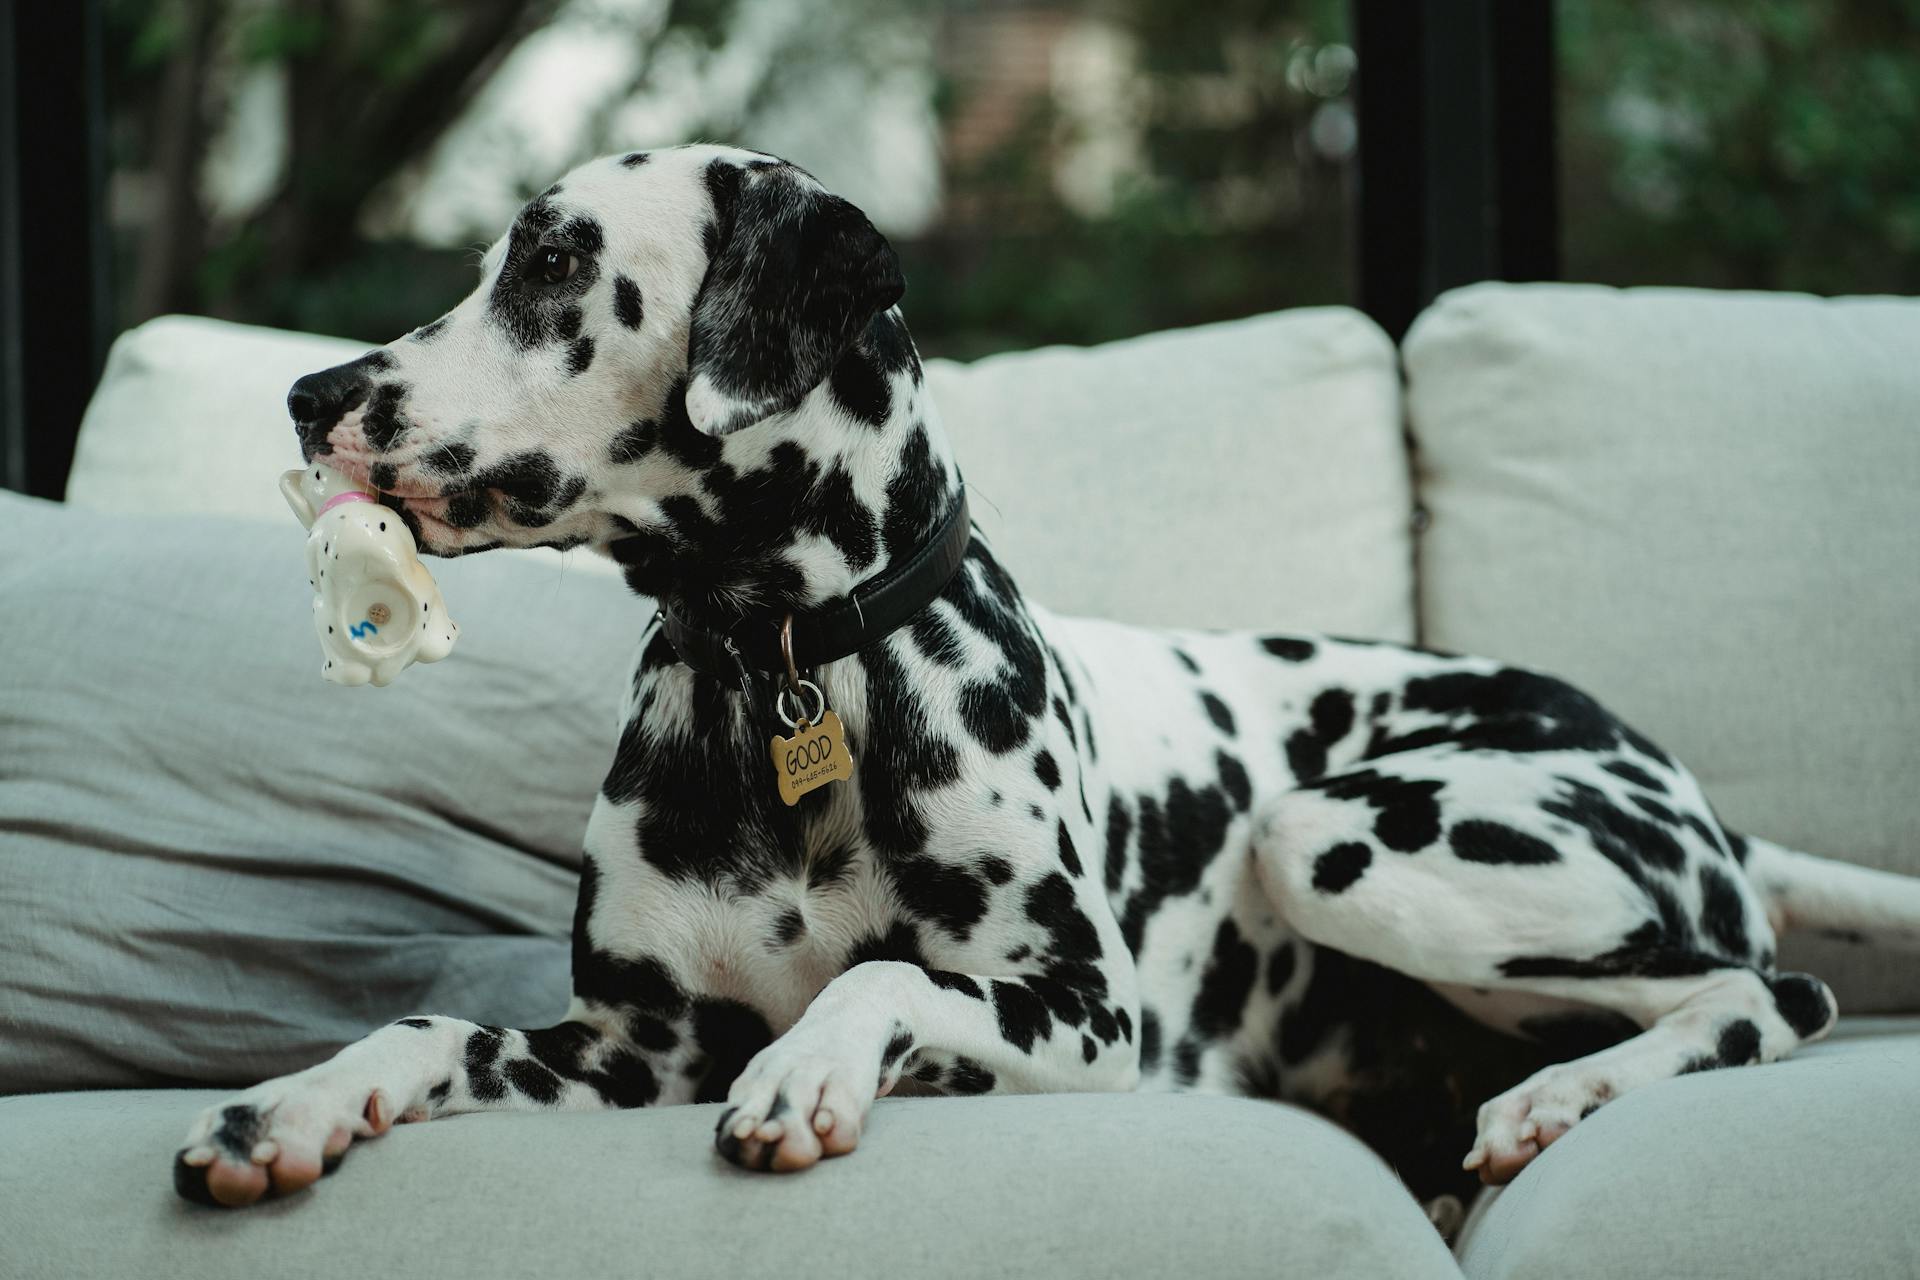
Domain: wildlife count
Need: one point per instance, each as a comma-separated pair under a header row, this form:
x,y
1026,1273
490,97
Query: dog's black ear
x,y
794,275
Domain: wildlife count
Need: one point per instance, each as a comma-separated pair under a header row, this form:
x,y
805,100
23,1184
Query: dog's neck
x,y
795,512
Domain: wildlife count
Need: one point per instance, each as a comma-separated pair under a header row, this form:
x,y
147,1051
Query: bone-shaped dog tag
x,y
814,756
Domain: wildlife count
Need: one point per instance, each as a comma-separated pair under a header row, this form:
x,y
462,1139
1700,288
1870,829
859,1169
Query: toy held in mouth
x,y
375,606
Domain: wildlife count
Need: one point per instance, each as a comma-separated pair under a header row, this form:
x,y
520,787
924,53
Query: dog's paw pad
x,y
789,1112
273,1141
1521,1123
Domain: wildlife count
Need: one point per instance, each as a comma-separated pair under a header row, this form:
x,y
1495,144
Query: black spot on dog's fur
x,y
1224,986
627,306
1340,868
941,893
1119,833
1234,780
1640,957
1628,841
1218,712
1803,1001
1635,774
901,942
1739,1044
860,389
1179,835
968,1077
1288,648
384,425
935,638
1022,1015
1408,809
452,457
1478,840
1723,913
950,981
580,355
1329,719
788,927
635,441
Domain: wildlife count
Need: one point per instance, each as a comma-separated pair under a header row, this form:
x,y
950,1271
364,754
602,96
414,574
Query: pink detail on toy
x,y
338,498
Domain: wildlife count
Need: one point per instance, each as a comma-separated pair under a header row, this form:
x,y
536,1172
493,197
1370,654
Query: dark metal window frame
x,y
1457,183
55,295
1459,179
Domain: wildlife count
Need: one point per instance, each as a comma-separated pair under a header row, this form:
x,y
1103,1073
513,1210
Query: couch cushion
x,y
1079,1185
1243,474
216,867
191,417
1700,507
1247,474
1807,1167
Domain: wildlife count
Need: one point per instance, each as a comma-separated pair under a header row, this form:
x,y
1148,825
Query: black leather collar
x,y
875,607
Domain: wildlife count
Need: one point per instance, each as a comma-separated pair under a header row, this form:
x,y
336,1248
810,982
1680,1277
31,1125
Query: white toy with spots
x,y
376,608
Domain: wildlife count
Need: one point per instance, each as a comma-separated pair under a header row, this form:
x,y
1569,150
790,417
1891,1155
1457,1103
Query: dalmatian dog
x,y
1452,904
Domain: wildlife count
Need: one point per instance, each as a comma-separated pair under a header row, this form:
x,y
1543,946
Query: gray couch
x,y
213,867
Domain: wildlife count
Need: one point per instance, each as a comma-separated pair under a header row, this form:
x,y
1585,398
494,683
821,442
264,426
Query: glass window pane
x,y
1741,144
1050,172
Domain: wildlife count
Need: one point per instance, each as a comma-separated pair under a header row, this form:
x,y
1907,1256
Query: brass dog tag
x,y
814,756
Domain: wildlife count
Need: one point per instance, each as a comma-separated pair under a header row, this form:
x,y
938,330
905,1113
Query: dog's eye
x,y
554,265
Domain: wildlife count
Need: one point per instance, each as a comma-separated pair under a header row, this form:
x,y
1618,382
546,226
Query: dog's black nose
x,y
320,398
302,405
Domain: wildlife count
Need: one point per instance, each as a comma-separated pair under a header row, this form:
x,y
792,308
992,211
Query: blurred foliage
x,y
1232,210
1741,143
1765,144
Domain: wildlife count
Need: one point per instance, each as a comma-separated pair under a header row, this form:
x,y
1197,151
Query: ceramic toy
x,y
375,606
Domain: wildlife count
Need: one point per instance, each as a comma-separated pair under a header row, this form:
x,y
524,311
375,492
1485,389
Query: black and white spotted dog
x,y
1385,883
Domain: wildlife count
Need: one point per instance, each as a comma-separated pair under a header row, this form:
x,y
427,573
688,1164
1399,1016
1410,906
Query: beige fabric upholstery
x,y
1073,1187
1807,1167
1701,508
1248,474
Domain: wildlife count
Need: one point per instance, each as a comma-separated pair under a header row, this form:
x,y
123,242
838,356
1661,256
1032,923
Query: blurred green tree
x,y
1764,144
1207,174
1229,134
370,87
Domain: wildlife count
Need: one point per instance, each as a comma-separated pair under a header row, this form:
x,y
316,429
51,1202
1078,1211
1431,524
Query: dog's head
x,y
639,308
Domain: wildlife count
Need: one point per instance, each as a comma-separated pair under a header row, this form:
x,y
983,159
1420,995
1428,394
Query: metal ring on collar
x,y
780,706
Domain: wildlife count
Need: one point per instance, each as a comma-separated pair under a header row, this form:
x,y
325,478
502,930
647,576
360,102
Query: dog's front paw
x,y
278,1137
795,1104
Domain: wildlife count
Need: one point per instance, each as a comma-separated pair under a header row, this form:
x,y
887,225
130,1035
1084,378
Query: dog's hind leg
x,y
1837,899
282,1135
1728,1018
1477,874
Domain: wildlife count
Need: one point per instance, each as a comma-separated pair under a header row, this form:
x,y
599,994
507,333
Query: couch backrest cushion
x,y
1245,474
1702,508
190,417
1251,473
